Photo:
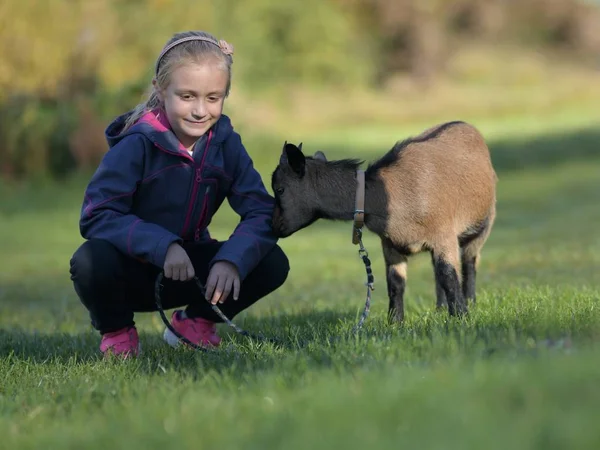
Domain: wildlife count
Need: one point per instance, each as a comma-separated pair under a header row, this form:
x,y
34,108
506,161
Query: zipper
x,y
188,216
197,180
202,219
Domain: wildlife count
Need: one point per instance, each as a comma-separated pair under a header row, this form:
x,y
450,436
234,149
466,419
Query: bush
x,y
63,79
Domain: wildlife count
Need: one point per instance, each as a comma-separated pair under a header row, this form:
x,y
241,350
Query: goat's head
x,y
297,203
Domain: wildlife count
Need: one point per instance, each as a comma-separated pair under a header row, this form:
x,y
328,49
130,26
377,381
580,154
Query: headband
x,y
225,47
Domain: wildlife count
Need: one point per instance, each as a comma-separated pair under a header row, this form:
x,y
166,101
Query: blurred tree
x,y
408,36
292,42
69,65
481,19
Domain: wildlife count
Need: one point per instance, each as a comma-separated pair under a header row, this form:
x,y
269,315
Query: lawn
x,y
521,372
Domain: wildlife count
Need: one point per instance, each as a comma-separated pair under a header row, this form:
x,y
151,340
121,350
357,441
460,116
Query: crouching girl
x,y
171,163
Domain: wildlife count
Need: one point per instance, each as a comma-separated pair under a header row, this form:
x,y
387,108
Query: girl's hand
x,y
222,277
177,264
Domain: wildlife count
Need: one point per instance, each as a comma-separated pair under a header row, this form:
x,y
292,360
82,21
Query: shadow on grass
x,y
546,151
310,341
41,348
292,332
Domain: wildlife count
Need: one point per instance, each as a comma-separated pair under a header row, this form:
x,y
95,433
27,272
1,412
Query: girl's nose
x,y
199,110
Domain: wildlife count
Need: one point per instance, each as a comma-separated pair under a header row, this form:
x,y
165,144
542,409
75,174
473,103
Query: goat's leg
x,y
470,257
447,269
440,295
395,266
469,273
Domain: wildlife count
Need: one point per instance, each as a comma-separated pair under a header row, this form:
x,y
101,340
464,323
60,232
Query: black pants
x,y
113,286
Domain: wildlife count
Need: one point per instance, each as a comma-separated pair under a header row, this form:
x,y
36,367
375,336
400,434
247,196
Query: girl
x,y
170,164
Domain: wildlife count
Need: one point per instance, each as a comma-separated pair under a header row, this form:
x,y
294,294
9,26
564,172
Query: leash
x,y
364,255
158,287
358,223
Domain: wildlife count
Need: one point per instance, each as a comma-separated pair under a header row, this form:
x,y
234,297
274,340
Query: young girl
x,y
171,163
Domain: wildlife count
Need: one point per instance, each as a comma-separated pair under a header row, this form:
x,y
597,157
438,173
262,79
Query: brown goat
x,y
434,192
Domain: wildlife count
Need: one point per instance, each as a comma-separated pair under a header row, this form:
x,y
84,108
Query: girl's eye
x,y
213,99
186,97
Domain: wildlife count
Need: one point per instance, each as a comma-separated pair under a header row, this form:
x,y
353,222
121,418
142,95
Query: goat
x,y
435,192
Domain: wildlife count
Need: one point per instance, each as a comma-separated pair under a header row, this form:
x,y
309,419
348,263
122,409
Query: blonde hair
x,y
190,46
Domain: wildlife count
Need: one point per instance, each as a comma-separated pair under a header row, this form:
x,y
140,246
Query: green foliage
x,y
35,135
292,43
60,54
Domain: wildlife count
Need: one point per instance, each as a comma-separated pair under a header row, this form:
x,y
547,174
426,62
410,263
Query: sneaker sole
x,y
170,338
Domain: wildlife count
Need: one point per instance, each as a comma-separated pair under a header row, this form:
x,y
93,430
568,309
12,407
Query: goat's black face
x,y
296,200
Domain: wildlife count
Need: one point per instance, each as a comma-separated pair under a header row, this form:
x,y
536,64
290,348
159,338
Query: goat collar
x,y
359,209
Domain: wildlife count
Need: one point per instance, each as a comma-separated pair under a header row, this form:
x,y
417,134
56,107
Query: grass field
x,y
522,372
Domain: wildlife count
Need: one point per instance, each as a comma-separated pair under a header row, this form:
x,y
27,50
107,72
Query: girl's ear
x,y
157,90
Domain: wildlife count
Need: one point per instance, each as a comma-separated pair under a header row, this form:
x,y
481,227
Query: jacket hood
x,y
155,126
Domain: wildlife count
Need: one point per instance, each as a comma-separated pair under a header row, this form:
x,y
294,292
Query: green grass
x,y
521,372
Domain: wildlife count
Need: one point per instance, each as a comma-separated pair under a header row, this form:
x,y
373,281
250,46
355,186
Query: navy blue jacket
x,y
149,192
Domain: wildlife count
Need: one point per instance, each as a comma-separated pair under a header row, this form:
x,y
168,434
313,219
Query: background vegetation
x,y
300,65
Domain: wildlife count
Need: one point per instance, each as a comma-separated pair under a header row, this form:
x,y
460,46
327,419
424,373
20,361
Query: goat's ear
x,y
283,158
320,156
294,157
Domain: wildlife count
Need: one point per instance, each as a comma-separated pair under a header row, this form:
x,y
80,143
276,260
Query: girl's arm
x,y
106,208
253,237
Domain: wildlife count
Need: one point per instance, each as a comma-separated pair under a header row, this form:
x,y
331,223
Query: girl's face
x,y
193,99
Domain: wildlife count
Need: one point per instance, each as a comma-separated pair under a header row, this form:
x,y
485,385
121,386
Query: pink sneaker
x,y
198,331
124,343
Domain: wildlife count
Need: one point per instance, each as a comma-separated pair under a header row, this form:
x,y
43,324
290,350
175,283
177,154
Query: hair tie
x,y
226,47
